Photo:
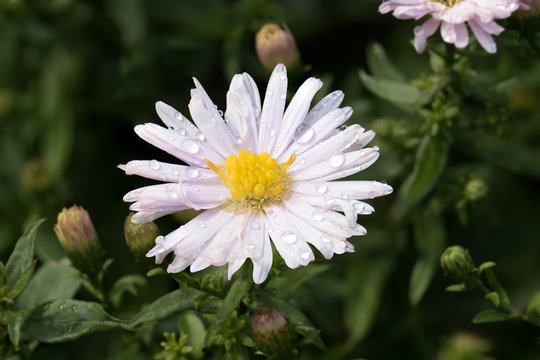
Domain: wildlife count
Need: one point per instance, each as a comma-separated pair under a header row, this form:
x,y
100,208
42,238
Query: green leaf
x,y
533,308
291,279
51,281
366,283
178,300
429,164
488,316
430,240
393,91
13,321
485,265
64,320
380,65
126,284
456,287
20,265
494,298
237,292
191,324
299,321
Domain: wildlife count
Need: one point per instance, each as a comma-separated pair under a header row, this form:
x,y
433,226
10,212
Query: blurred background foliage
x,y
76,76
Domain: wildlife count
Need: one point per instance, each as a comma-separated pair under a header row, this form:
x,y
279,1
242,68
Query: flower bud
x,y
457,263
272,333
76,234
140,238
275,45
475,189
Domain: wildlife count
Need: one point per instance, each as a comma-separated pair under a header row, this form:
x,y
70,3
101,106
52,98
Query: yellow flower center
x,y
448,3
254,179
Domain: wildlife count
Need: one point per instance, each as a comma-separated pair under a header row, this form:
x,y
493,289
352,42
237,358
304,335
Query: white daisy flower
x,y
452,15
263,175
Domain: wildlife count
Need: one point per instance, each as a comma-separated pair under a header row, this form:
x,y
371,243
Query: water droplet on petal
x,y
248,248
344,127
178,115
336,160
255,225
305,255
160,239
202,225
283,96
272,132
325,239
288,237
321,189
74,308
303,134
182,131
359,208
61,306
220,112
318,216
190,146
154,164
192,173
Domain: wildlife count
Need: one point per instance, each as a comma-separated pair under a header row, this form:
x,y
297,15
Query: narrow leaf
x,y
51,281
64,320
393,91
490,315
178,300
380,65
236,293
291,279
20,264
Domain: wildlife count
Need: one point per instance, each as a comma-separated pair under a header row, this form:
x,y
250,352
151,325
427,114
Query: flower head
x,y
263,174
76,234
452,15
275,45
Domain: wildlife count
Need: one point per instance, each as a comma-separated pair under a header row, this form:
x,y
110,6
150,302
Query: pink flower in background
x,y
261,173
452,17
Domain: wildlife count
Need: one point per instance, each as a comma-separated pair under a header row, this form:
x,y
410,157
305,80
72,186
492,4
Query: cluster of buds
x,y
76,234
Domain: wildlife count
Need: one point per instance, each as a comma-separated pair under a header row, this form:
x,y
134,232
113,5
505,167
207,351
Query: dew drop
x,y
272,132
305,255
220,112
192,173
154,164
288,237
202,225
160,239
196,188
283,96
344,127
318,216
182,131
74,308
322,189
325,239
62,306
248,248
359,208
345,196
269,93
336,160
178,115
303,134
190,146
255,225
176,173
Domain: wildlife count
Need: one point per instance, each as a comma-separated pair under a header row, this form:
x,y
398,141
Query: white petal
x,y
156,170
295,114
483,38
175,120
421,33
192,151
307,135
242,111
288,241
328,103
210,123
338,166
462,35
272,109
202,195
327,148
359,190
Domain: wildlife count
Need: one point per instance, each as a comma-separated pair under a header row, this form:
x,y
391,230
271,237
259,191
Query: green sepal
x,y
456,287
